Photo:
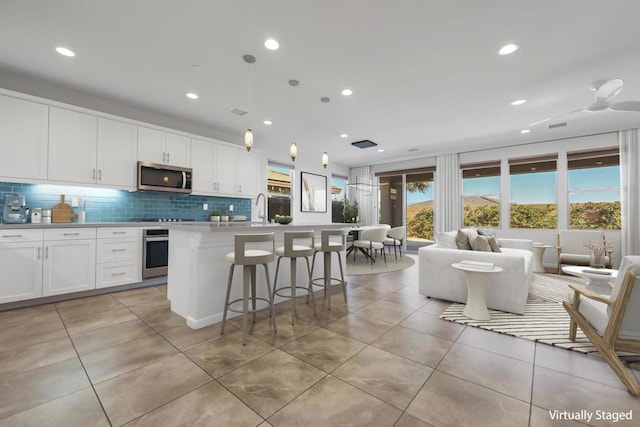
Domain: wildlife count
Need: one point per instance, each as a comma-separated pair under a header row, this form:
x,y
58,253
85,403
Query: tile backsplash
x,y
106,205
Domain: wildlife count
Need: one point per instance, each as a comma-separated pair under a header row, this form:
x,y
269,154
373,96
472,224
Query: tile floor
x,y
382,359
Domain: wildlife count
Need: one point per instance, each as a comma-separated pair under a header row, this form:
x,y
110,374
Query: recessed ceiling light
x,y
343,135
271,44
192,95
268,122
347,92
380,150
508,49
64,51
525,131
519,102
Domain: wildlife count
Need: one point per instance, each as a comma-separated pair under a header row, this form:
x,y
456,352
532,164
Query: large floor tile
x,y
449,401
209,405
408,301
386,312
43,326
435,306
87,306
432,325
503,344
78,325
37,386
219,357
553,390
407,420
272,381
124,357
135,393
183,337
80,408
332,402
111,335
10,318
35,356
359,328
140,296
414,345
287,332
391,378
500,373
324,349
158,317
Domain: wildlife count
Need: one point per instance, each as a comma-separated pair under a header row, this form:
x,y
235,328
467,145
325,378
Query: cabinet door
x,y
24,134
248,172
202,163
117,153
72,146
151,145
69,266
21,267
226,163
178,150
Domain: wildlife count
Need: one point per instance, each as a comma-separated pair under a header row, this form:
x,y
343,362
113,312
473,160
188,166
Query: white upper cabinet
x,y
117,153
163,147
72,146
203,164
23,138
247,173
226,169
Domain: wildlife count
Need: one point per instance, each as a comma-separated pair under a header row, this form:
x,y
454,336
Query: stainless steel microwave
x,y
157,177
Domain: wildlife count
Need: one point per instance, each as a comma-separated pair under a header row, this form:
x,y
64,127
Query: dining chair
x,y
371,240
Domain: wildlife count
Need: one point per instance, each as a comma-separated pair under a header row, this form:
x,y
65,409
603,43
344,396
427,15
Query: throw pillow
x,y
486,232
446,240
480,243
493,243
464,236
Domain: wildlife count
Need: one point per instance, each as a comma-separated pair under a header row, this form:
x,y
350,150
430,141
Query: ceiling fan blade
x,y
557,116
632,106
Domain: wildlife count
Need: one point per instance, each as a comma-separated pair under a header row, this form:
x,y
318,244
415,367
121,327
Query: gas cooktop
x,y
163,220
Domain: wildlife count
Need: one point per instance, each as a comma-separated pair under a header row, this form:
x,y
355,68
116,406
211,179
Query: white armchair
x,y
611,323
395,237
371,239
571,249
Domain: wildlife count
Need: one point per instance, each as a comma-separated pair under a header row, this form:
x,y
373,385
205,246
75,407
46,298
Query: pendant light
x,y
248,134
293,148
325,155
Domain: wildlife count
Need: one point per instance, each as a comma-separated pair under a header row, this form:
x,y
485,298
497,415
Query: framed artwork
x,y
314,192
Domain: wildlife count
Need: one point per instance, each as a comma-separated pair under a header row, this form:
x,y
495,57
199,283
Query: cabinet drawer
x,y
17,235
118,249
117,273
69,233
114,232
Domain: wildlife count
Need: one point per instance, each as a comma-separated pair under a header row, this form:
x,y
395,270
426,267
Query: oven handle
x,y
156,239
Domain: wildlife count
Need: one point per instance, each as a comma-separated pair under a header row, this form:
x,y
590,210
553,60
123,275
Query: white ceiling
x,y
425,74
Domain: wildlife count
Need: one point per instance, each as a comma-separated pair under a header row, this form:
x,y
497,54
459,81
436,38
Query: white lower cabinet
x,y
20,269
119,259
69,261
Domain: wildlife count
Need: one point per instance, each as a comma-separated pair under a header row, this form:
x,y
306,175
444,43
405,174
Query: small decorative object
x,y
598,252
283,219
215,216
314,192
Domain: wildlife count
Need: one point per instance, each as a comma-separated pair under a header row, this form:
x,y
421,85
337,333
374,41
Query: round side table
x,y
538,252
477,281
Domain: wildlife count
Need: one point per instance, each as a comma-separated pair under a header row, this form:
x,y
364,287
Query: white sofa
x,y
507,290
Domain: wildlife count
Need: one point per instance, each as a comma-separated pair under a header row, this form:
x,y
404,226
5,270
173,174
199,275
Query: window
x,y
481,194
338,194
594,189
420,218
279,189
533,192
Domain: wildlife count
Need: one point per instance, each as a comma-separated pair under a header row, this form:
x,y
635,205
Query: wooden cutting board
x,y
62,212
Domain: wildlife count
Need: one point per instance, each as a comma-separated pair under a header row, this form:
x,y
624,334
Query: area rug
x,y
544,319
362,266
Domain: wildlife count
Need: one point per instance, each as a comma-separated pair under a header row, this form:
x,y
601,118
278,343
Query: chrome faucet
x,y
263,217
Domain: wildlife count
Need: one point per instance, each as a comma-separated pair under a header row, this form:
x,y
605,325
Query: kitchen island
x,y
198,271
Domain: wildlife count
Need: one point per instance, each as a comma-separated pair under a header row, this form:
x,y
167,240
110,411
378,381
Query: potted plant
x,y
215,216
224,217
350,211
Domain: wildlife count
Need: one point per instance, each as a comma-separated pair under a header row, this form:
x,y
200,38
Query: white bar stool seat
x,y
328,246
293,252
249,259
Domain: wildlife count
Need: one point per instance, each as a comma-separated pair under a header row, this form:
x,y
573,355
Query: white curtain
x,y
363,188
447,198
630,191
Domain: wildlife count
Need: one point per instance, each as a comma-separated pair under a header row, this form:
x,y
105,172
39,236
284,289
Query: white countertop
x,y
185,225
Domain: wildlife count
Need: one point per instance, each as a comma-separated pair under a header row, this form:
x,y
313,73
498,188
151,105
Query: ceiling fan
x,y
604,93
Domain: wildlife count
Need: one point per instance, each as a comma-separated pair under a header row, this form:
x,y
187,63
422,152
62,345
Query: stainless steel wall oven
x,y
155,252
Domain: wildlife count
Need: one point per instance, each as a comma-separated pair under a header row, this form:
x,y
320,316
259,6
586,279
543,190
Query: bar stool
x,y
249,259
293,251
327,247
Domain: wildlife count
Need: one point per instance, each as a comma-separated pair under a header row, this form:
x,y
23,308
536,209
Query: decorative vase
x,y
597,259
215,218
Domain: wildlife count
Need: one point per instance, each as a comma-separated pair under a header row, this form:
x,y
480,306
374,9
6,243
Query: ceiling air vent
x,y
238,111
411,150
557,125
365,143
